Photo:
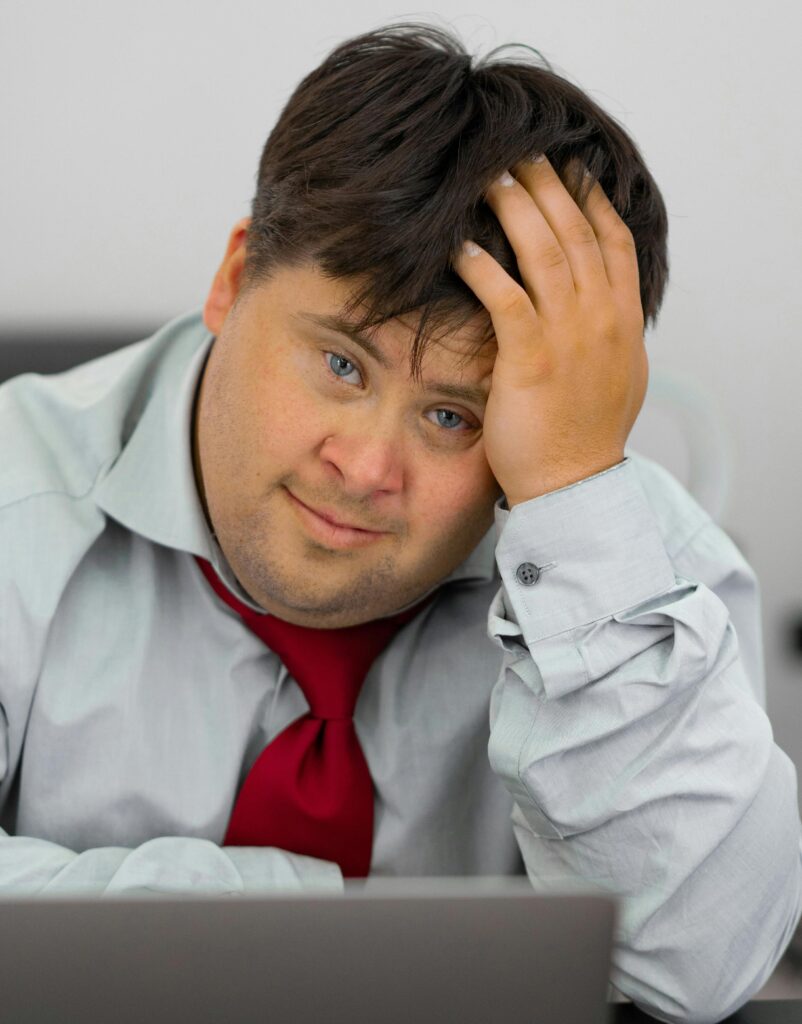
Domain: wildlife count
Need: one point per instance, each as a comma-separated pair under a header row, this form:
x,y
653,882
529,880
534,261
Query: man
x,y
205,532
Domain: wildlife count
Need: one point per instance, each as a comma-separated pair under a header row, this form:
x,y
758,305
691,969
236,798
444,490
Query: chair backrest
x,y
42,353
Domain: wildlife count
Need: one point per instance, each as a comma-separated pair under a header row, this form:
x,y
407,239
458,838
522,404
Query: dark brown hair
x,y
377,166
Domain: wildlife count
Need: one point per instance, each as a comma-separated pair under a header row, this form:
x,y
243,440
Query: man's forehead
x,y
333,297
472,342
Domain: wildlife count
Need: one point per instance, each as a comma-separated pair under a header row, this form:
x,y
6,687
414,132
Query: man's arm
x,y
627,724
168,864
30,865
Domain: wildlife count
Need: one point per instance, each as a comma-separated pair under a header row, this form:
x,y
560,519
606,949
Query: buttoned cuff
x,y
576,555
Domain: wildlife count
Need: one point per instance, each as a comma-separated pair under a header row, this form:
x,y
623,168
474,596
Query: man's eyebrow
x,y
342,326
465,392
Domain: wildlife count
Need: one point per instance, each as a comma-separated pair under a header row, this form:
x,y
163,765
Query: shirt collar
x,y
150,487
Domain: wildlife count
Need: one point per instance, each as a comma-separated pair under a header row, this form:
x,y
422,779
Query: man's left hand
x,y
571,371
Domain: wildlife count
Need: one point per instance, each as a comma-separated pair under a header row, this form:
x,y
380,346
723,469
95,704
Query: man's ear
x,y
226,283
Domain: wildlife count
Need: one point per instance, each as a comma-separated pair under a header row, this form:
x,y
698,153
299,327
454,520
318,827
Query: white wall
x,y
131,134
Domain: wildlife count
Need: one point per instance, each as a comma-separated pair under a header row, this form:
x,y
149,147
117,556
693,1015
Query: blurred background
x,y
131,134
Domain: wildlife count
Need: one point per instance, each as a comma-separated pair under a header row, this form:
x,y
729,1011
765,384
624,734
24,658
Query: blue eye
x,y
339,359
335,365
449,412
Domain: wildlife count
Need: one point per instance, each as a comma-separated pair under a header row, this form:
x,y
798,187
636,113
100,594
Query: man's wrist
x,y
566,478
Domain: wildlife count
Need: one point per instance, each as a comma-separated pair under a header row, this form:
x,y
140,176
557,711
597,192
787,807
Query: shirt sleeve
x,y
167,864
627,722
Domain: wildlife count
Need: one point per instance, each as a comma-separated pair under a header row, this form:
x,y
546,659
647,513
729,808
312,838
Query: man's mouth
x,y
324,524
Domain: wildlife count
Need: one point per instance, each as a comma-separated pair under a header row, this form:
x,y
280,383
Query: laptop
x,y
384,951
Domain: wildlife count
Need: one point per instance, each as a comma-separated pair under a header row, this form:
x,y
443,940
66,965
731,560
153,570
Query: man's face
x,y
274,423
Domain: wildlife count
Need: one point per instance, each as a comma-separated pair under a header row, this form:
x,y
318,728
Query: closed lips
x,y
329,517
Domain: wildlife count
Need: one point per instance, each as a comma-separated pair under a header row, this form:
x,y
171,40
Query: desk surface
x,y
760,1011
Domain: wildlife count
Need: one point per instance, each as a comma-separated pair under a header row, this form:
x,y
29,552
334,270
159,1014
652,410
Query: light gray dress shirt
x,y
598,724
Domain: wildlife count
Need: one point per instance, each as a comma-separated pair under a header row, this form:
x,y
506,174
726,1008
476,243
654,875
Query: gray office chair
x,y
41,352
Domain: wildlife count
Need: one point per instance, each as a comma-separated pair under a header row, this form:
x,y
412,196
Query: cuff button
x,y
527,573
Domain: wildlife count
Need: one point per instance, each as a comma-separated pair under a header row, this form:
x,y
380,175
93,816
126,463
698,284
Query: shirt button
x,y
527,573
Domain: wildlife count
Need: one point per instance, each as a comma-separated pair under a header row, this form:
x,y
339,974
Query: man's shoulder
x,y
58,432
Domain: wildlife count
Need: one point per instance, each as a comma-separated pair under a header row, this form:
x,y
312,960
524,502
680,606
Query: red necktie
x,y
310,790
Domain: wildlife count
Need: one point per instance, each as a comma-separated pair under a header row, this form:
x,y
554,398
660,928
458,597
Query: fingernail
x,y
470,248
505,179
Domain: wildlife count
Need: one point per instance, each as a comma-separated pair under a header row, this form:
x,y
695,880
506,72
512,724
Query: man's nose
x,y
369,457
